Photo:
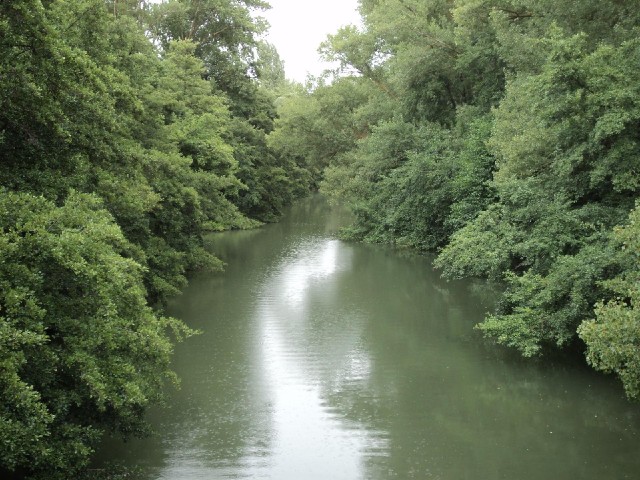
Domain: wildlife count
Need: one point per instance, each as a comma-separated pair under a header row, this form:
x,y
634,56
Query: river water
x,y
325,360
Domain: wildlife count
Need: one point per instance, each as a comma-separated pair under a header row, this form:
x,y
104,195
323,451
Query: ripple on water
x,y
323,360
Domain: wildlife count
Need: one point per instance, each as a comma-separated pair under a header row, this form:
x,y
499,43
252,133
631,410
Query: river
x,y
327,360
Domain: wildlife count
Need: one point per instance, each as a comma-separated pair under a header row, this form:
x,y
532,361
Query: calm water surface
x,y
327,360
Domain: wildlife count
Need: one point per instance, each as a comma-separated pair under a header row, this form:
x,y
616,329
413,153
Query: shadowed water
x,y
327,360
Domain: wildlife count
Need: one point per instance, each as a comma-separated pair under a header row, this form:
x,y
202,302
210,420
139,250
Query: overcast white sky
x,y
299,26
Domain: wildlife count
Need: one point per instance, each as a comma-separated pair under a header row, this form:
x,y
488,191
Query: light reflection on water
x,y
311,261
311,439
326,360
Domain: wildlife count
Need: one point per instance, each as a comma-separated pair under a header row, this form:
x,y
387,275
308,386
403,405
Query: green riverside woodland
x,y
501,135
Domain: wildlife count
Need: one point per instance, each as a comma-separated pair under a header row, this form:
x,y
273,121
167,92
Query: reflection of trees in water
x,y
220,424
223,422
391,350
448,408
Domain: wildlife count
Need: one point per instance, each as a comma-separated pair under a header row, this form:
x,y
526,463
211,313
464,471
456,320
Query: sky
x,y
299,26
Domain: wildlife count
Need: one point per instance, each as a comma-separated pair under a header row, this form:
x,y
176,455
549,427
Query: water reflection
x,y
311,438
326,360
311,261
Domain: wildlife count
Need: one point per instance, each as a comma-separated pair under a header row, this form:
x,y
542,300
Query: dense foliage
x,y
503,135
128,130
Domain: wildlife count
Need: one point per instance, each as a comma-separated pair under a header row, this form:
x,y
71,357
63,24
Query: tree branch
x,y
515,15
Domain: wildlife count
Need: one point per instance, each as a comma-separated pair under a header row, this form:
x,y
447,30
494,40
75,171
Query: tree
x,y
225,35
564,178
81,350
115,160
270,69
613,336
504,137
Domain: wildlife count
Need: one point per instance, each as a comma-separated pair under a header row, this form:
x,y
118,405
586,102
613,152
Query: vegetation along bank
x,y
501,134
